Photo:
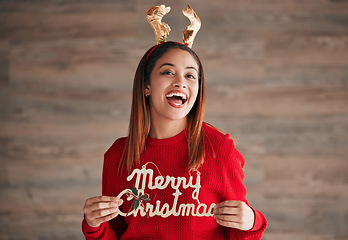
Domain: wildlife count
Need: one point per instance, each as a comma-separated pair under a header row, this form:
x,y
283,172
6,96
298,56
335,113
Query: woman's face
x,y
173,85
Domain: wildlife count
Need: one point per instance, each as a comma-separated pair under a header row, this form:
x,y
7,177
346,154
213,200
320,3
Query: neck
x,y
167,129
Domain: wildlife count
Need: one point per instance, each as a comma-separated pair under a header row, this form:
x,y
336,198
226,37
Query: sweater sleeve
x,y
237,191
114,228
103,232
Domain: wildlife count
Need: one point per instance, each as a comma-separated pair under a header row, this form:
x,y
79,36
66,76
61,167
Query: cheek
x,y
158,89
194,90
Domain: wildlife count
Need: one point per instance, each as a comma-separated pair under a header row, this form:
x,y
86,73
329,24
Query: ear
x,y
147,90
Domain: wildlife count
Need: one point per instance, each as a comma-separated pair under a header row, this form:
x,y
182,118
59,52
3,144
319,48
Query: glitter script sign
x,y
144,177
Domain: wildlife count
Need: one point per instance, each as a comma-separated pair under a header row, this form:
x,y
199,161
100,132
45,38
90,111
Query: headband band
x,y
154,48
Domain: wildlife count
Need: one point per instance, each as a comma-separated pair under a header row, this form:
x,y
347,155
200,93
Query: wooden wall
x,y
277,81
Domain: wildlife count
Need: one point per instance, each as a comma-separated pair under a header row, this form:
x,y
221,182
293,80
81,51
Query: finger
x,y
228,224
229,203
92,217
98,206
107,217
228,218
98,221
101,199
103,212
226,210
102,205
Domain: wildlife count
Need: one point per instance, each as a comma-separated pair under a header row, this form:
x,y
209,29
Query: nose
x,y
179,82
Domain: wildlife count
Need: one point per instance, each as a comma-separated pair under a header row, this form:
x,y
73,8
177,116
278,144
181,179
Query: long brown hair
x,y
139,124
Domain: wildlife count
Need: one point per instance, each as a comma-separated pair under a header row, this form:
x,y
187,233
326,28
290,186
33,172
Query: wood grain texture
x,y
277,81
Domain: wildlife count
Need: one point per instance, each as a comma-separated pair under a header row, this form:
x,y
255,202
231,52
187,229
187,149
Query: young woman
x,y
174,176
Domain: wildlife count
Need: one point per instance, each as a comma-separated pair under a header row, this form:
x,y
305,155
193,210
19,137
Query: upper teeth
x,y
183,96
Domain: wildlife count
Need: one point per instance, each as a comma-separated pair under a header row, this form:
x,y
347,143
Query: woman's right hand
x,y
101,209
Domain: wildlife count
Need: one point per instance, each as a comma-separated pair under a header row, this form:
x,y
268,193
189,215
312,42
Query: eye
x,y
167,73
190,76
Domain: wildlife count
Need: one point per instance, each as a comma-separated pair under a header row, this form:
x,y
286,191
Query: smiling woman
x,y
194,188
179,65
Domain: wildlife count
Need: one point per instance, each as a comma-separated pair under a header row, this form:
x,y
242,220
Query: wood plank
x,y
277,102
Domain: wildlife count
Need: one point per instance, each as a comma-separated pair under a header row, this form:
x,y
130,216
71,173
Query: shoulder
x,y
221,145
112,157
116,148
216,136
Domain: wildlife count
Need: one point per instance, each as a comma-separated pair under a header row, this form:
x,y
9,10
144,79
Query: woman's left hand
x,y
234,214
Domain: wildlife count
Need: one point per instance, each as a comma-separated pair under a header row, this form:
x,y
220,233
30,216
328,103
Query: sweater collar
x,y
167,141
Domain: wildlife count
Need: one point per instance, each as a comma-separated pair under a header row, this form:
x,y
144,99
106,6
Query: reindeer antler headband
x,y
162,29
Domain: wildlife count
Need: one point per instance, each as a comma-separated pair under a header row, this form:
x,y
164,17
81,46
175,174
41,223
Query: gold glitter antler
x,y
190,32
160,28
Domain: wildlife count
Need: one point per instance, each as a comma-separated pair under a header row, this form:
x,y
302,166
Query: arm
x,y
101,213
235,215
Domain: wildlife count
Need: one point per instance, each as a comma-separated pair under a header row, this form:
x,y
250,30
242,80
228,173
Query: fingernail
x,y
120,201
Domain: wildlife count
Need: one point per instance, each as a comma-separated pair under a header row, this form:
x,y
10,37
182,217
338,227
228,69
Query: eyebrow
x,y
171,64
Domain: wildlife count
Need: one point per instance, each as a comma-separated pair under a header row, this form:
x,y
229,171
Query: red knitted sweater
x,y
180,201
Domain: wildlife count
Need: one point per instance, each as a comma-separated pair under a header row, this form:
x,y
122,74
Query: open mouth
x,y
176,99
